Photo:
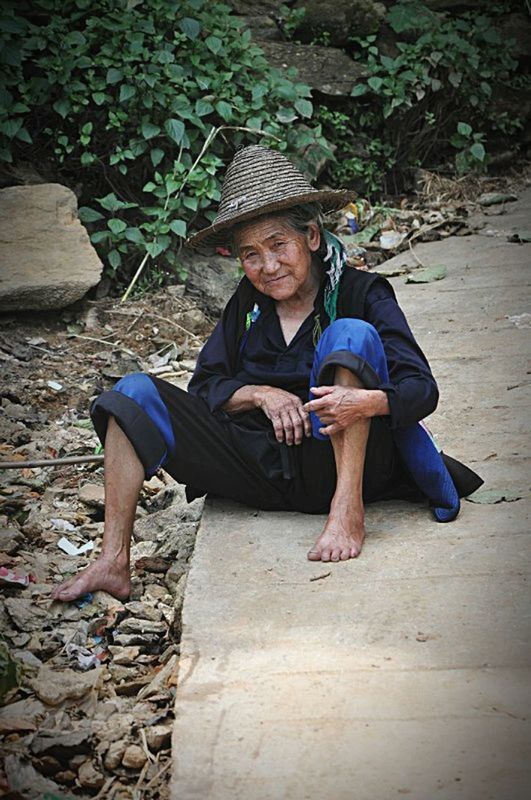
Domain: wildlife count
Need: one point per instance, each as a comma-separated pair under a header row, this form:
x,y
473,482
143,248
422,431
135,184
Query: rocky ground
x,y
88,688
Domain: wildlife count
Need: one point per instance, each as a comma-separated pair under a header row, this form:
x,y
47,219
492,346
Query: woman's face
x,y
278,259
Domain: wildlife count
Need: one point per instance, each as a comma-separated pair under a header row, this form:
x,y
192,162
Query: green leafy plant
x,y
472,156
443,70
290,19
140,106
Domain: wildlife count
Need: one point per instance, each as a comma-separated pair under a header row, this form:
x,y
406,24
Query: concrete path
x,y
404,673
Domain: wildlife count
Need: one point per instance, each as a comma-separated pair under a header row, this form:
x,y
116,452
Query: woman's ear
x,y
314,237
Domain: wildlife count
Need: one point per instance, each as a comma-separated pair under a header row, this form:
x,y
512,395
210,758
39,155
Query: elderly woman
x,y
307,396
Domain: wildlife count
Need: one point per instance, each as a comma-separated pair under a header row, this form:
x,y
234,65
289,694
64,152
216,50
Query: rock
x,y
338,22
518,28
54,687
134,757
158,737
61,745
10,540
143,610
124,656
263,29
89,776
327,69
147,641
174,578
21,716
24,779
92,494
46,255
193,320
142,626
178,543
113,756
211,281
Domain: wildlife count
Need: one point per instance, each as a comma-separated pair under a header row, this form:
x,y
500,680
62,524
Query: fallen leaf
x,y
520,236
493,496
427,275
493,198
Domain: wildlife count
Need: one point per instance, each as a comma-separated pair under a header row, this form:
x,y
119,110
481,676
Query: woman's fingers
x,y
320,391
306,421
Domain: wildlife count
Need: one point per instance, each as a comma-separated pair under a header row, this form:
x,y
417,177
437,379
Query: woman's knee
x,y
342,333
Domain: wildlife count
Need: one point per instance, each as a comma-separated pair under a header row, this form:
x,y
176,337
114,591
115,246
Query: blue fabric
x,y
413,442
140,388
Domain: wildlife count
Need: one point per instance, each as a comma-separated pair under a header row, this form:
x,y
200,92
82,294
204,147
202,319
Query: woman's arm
x,y
411,390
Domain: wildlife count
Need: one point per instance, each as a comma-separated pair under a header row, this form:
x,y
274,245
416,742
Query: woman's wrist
x,y
379,403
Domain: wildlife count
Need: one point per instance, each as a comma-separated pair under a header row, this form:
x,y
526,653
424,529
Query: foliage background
x,y
139,105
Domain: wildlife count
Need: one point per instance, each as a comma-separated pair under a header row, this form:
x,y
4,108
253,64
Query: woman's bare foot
x,y
106,575
340,539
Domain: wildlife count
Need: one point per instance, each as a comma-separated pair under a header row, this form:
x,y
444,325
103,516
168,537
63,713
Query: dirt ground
x,y
88,688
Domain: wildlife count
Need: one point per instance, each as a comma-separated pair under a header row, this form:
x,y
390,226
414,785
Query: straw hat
x,y
259,181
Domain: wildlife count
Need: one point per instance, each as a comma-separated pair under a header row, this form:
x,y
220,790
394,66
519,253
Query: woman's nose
x,y
269,262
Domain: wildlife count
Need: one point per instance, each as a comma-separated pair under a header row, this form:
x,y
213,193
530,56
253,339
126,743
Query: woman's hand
x,y
286,411
340,406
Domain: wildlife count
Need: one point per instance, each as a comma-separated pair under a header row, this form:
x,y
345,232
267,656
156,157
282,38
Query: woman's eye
x,y
278,245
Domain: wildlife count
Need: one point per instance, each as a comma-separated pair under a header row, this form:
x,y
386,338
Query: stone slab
x,y
407,671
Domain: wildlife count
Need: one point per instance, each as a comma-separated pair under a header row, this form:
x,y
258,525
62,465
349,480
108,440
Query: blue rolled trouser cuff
x,y
356,345
138,408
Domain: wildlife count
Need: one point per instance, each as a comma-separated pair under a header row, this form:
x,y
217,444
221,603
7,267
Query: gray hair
x,y
298,218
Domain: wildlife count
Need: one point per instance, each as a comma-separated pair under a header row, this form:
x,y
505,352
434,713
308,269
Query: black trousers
x,y
238,457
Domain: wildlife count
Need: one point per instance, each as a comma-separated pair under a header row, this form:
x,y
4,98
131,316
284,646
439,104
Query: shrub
x,y
142,104
437,72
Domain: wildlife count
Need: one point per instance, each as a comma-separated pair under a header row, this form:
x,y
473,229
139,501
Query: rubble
x,y
72,707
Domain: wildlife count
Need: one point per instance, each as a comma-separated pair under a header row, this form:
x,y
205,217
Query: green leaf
x,y
99,98
190,27
178,226
117,226
464,129
375,83
87,128
126,92
113,75
203,107
75,37
224,110
87,214
115,259
134,235
99,236
304,107
286,115
149,130
175,130
24,136
427,275
493,496
111,203
62,107
478,151
214,44
156,156
358,90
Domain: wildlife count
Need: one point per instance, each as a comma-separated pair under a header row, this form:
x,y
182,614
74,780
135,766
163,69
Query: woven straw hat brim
x,y
218,233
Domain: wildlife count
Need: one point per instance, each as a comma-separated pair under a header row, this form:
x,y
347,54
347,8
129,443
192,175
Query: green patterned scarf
x,y
336,257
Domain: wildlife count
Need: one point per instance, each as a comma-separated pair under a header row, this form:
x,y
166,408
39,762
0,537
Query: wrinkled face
x,y
276,258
